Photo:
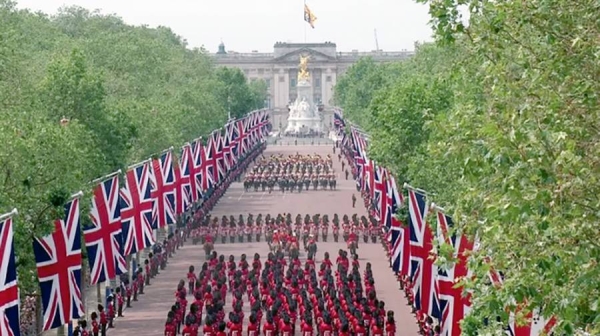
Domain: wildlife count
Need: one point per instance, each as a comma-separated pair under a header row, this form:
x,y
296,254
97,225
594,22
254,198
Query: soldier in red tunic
x,y
147,275
95,325
170,329
390,324
306,327
253,326
103,320
128,292
140,280
120,302
111,311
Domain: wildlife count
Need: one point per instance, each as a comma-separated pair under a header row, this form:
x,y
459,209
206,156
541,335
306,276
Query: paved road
x,y
148,315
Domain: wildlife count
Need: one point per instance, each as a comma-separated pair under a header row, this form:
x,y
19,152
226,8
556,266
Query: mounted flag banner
x,y
183,185
137,209
103,238
58,261
423,268
201,178
9,292
163,184
454,306
309,17
400,240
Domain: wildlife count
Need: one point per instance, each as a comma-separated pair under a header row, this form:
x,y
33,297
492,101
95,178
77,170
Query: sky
x,y
255,25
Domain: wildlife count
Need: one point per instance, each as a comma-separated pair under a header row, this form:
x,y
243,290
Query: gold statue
x,y
303,73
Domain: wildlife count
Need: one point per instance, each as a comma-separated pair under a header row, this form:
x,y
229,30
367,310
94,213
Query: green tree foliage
x,y
84,94
238,95
499,121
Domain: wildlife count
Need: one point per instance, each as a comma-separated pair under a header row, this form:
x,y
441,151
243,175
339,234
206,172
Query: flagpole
x,y
135,165
304,23
170,149
437,208
408,186
77,195
13,212
106,177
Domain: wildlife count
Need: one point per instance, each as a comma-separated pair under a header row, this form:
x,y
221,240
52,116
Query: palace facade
x,y
279,69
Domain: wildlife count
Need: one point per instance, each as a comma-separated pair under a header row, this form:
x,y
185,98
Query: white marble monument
x,y
304,114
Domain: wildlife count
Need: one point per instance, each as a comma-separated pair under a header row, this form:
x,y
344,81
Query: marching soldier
x,y
353,199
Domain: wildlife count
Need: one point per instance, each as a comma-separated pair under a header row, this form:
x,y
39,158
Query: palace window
x,y
261,71
317,82
292,82
268,81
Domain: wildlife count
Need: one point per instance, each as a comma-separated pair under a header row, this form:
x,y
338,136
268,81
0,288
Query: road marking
x,y
263,194
241,195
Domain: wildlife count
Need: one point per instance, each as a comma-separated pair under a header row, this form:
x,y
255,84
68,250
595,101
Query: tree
x,y
72,92
241,96
83,94
506,139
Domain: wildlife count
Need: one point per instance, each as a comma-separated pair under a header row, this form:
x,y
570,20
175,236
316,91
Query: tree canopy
x,y
84,94
499,121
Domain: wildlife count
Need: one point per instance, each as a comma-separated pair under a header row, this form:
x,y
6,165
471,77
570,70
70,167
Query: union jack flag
x,y
103,238
369,175
380,190
399,233
454,305
536,325
211,174
9,291
214,157
228,144
263,124
252,125
359,145
338,121
241,141
423,269
58,261
137,209
182,171
163,184
201,175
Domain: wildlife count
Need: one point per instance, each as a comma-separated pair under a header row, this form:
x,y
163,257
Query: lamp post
x,y
229,103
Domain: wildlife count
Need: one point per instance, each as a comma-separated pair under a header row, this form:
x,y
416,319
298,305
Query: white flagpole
x,y
106,177
77,195
408,186
13,212
135,165
304,11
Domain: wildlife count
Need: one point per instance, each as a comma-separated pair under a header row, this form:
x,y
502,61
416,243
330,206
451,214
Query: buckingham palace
x,y
279,69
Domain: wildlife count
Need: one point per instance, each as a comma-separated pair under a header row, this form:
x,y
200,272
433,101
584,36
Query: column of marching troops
x,y
292,173
285,297
265,174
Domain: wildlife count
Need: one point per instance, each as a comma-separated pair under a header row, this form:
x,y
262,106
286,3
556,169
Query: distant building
x,y
280,69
